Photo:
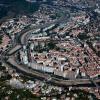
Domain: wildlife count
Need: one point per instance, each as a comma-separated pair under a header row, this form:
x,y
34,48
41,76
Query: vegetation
x,y
0,39
7,91
51,45
47,47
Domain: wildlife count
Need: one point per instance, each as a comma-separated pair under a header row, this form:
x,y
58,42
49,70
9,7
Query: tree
x,y
51,45
0,39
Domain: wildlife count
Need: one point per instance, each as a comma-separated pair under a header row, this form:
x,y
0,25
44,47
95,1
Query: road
x,y
23,38
47,77
24,34
14,49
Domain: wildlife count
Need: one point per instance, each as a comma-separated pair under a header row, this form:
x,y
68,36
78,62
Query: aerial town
x,y
53,53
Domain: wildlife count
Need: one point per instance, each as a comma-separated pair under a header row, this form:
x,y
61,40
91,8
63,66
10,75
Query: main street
x,y
47,77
